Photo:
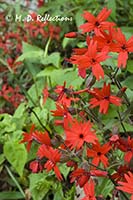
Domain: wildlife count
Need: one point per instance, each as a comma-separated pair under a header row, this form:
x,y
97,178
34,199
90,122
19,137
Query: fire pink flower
x,y
96,24
89,190
62,111
91,59
127,147
79,133
53,156
80,176
103,98
38,136
36,166
98,153
123,47
128,185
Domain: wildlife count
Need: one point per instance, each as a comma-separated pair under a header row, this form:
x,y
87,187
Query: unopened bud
x,y
121,92
71,35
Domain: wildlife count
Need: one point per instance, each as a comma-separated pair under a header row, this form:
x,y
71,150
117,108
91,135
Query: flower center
x,y
106,97
81,135
93,60
99,153
124,47
108,41
97,23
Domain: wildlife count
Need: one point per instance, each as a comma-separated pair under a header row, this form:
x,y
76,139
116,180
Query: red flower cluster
x,y
11,95
45,29
104,38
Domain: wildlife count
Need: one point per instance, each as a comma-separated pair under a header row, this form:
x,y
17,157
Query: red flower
x,y
64,93
98,153
80,176
62,111
99,173
127,147
89,190
53,31
96,24
79,133
71,35
36,27
35,166
12,95
40,137
40,3
105,41
91,59
128,185
61,90
53,156
103,98
72,164
120,173
123,47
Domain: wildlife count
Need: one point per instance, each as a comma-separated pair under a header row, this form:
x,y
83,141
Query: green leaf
x,y
16,155
42,115
130,66
19,116
58,76
10,195
78,18
70,194
6,124
127,126
112,61
64,170
112,4
20,110
30,51
105,187
36,90
53,58
39,186
128,31
128,82
66,41
129,93
58,193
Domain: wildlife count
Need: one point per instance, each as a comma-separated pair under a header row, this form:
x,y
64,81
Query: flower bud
x,y
71,35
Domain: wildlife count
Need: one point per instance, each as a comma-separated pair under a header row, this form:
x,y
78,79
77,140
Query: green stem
x,y
39,120
121,122
46,47
14,180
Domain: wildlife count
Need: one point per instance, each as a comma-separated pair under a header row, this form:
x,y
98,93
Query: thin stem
x,y
39,120
115,73
24,91
122,123
14,180
125,96
118,84
46,47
